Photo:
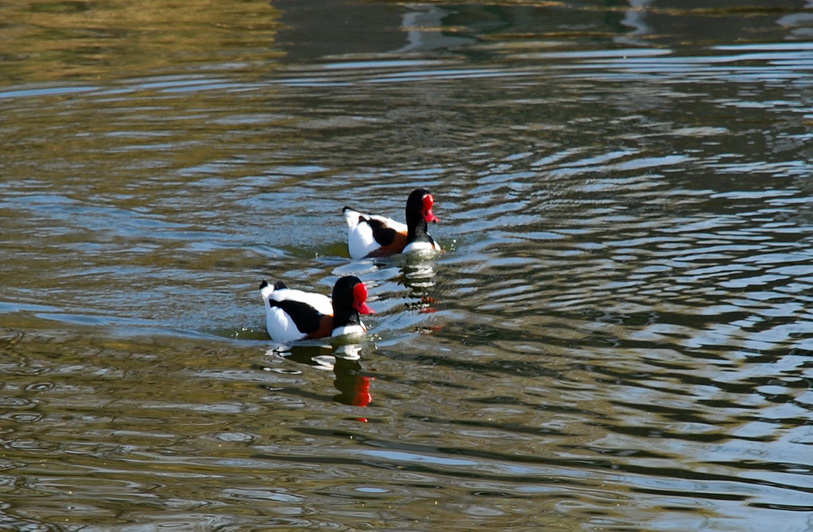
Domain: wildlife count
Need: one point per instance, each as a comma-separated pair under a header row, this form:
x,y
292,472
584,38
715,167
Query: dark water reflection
x,y
618,335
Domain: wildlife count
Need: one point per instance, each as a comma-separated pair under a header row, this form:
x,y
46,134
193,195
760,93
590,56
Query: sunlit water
x,y
618,335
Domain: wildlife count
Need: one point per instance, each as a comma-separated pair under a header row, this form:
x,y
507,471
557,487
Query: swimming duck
x,y
371,235
297,315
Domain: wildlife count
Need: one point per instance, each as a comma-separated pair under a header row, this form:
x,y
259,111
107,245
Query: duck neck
x,y
345,317
417,230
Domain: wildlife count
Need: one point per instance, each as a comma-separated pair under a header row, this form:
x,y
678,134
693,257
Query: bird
x,y
292,315
370,235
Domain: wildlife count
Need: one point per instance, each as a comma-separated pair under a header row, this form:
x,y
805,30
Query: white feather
x,y
422,246
279,324
360,238
349,330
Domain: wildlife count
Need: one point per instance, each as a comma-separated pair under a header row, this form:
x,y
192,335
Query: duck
x,y
292,315
371,235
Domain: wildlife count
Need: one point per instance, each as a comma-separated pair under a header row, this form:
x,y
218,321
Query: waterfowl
x,y
296,315
371,235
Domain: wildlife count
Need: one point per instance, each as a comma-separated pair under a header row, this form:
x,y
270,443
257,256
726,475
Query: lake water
x,y
619,335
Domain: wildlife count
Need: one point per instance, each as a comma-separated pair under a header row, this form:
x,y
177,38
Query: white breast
x,y
422,246
349,330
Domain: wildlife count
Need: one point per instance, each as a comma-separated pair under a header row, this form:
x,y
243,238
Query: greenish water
x,y
618,335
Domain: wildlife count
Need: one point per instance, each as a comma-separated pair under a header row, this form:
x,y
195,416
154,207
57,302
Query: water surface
x,y
618,335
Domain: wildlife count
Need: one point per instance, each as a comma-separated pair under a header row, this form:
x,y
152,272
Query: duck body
x,y
371,235
292,315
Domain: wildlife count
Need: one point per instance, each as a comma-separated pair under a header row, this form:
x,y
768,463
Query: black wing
x,y
306,318
383,235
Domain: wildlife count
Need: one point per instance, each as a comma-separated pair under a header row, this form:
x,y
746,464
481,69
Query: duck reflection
x,y
345,362
319,356
419,277
353,388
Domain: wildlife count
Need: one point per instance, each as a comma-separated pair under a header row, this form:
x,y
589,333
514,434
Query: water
x,y
617,337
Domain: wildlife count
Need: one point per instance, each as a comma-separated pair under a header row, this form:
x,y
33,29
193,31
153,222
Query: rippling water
x,y
619,334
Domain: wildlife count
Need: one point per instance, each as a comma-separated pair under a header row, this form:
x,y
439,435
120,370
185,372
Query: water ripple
x,y
617,335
